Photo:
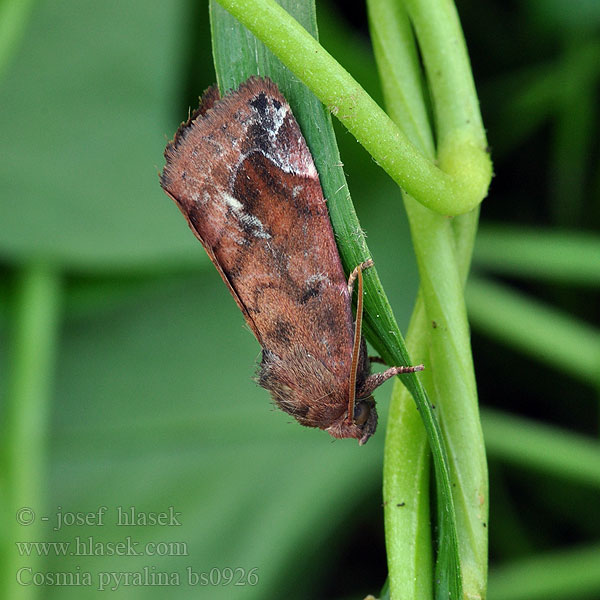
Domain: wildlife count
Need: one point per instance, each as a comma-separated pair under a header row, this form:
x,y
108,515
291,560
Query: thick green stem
x,y
448,69
454,390
26,419
408,536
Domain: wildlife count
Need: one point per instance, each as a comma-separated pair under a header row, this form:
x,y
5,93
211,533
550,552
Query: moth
x,y
242,175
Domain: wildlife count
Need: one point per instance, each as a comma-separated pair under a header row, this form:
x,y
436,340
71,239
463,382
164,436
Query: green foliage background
x,y
144,360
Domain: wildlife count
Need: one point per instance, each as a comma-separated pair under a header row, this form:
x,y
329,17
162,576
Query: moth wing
x,y
292,281
245,180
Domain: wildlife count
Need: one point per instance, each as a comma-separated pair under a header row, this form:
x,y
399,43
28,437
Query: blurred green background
x,y
125,367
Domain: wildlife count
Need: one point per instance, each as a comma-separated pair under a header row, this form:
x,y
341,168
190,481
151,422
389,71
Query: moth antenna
x,y
357,337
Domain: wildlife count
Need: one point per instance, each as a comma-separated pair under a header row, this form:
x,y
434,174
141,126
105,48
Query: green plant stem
x,y
408,536
533,327
406,451
451,83
456,190
439,329
27,412
454,390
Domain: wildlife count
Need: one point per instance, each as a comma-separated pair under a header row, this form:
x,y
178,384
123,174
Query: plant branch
x,y
457,189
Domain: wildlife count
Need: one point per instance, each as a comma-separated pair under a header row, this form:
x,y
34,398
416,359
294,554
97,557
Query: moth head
x,y
362,425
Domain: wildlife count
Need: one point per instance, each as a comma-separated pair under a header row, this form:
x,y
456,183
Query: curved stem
x,y
456,189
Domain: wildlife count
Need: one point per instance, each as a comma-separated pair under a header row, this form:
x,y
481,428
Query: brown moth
x,y
243,177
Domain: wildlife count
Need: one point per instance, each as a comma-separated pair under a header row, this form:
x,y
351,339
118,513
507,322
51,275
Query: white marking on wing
x,y
232,202
251,223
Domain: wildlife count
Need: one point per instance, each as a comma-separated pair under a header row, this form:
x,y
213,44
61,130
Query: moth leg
x,y
377,359
354,274
375,380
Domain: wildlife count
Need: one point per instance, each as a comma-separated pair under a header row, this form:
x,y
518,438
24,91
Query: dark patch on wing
x,y
193,219
312,290
259,134
234,271
304,210
283,331
330,319
246,192
260,104
263,168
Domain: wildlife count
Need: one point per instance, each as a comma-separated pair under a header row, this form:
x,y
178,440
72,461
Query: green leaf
x,y
566,575
553,255
87,104
542,448
527,324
